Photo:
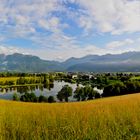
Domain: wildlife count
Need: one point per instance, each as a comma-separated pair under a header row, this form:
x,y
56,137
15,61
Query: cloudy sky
x,y
59,29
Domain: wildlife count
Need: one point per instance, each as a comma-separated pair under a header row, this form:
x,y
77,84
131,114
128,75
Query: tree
x,y
60,96
15,97
33,97
133,86
51,78
51,99
77,93
89,92
97,95
64,93
84,93
114,89
28,97
42,99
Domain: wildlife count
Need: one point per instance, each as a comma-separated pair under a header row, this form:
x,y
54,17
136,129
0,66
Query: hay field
x,y
104,119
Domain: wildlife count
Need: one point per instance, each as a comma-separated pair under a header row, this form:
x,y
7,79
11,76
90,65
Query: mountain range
x,y
125,62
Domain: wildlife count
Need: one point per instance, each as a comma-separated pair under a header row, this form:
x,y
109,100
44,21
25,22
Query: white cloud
x,y
69,49
21,20
116,44
26,14
25,19
53,24
9,50
64,52
114,16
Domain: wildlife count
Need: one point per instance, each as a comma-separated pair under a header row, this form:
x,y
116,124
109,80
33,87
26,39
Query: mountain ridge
x,y
128,61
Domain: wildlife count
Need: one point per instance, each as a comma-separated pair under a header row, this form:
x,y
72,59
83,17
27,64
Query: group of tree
x,y
85,93
121,88
31,97
26,78
20,74
64,93
43,79
23,80
81,93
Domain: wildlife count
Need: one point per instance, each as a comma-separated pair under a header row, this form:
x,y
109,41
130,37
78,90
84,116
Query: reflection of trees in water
x,y
22,89
48,86
14,89
41,87
51,85
36,86
32,88
27,89
11,89
6,89
2,90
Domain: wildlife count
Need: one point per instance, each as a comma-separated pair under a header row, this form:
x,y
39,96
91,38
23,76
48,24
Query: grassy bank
x,y
103,119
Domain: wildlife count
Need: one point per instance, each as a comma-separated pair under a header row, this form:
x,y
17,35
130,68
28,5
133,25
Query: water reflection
x,y
24,89
46,89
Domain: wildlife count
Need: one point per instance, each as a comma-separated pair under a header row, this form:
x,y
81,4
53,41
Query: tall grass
x,y
104,119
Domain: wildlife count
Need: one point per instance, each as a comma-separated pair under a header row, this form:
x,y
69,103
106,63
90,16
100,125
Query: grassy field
x,y
112,118
3,79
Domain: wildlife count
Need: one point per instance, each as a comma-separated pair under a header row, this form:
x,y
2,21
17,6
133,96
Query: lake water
x,y
50,90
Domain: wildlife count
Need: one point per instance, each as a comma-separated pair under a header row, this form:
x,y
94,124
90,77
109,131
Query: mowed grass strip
x,y
104,119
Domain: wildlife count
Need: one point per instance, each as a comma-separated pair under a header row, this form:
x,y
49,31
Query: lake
x,y
48,90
